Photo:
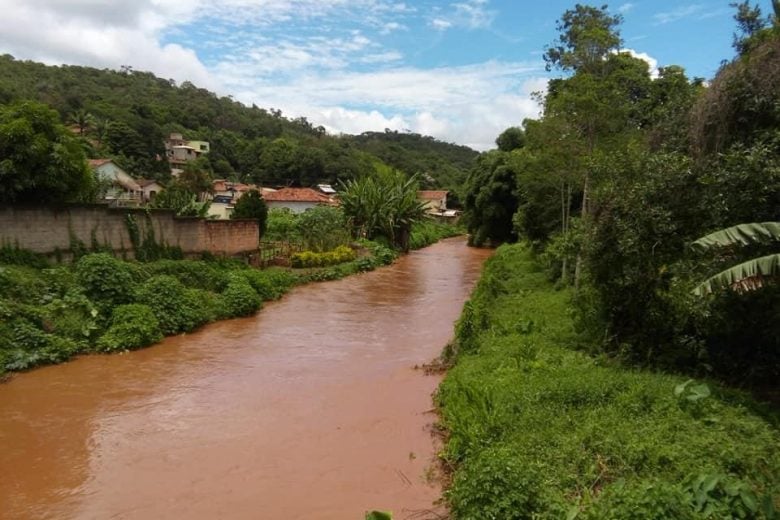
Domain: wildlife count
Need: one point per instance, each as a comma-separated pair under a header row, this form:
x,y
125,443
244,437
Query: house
x,y
224,195
150,189
435,201
179,150
122,189
297,200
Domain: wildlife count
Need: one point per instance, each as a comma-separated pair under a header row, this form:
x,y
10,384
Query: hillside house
x,y
435,201
297,200
179,150
150,188
122,190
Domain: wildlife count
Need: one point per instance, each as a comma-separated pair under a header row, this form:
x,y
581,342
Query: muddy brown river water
x,y
310,409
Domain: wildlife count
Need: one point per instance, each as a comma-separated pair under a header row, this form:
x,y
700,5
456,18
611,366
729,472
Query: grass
x,y
537,429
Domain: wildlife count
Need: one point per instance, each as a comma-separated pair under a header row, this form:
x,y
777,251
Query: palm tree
x,y
82,119
749,275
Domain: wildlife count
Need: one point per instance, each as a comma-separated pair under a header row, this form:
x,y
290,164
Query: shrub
x,y
322,228
132,326
311,259
239,299
174,306
106,279
192,273
269,284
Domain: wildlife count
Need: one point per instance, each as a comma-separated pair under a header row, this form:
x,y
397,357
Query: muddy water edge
x,y
310,409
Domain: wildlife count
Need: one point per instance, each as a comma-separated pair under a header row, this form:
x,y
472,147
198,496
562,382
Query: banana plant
x,y
751,274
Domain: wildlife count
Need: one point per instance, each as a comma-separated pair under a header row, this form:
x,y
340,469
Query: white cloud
x,y
626,7
440,24
677,14
469,14
339,78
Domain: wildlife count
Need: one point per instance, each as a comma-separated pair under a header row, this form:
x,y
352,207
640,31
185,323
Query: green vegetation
x,y
538,429
623,172
40,161
252,205
125,115
103,304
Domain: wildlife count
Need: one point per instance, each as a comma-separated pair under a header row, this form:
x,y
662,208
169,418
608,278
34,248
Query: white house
x,y
123,189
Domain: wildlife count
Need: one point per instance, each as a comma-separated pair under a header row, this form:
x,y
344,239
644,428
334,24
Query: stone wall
x,y
55,229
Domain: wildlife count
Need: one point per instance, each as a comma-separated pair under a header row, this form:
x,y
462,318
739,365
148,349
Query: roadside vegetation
x,y
538,428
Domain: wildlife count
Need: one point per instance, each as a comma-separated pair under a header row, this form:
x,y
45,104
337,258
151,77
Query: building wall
x,y
295,207
48,230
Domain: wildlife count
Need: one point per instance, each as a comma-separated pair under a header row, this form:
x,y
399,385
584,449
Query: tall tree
x,y
40,161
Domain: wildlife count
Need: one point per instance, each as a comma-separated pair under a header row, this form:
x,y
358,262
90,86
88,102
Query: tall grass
x,y
538,429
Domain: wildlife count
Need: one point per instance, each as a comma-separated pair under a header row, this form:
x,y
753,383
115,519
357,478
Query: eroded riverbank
x,y
309,409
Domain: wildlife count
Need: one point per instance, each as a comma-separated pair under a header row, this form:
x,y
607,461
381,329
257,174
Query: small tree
x,y
252,205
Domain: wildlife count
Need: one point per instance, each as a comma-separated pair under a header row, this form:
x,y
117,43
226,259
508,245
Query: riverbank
x,y
538,429
50,313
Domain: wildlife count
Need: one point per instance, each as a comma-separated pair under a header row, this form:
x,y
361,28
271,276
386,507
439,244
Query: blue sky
x,y
460,70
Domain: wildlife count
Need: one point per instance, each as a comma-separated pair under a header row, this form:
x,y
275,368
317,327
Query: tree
x,y
196,177
179,199
749,23
82,119
510,139
586,36
252,205
491,199
40,161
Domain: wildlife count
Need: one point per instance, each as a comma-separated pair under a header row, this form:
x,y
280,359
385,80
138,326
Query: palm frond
x,y
746,276
740,235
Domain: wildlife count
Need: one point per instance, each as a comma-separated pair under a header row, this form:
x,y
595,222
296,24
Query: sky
x,y
459,70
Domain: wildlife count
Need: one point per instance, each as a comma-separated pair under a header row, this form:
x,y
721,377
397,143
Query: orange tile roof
x,y
431,194
297,195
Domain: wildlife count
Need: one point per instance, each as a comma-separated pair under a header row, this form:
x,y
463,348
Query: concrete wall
x,y
49,229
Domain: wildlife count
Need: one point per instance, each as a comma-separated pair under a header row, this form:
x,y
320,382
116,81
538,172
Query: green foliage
x,y
269,284
383,205
252,205
427,232
177,308
311,259
15,255
513,138
379,515
179,199
491,200
322,228
40,161
132,326
586,36
239,298
107,280
540,430
282,225
192,273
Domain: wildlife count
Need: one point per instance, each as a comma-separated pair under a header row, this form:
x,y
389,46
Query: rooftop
x,y
432,194
297,195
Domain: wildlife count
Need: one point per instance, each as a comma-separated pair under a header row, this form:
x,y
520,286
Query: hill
x,y
126,114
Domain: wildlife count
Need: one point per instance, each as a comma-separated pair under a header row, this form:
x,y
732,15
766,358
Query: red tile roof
x,y
297,195
431,194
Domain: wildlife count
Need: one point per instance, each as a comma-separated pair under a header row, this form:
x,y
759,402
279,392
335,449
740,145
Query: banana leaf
x,y
740,235
746,276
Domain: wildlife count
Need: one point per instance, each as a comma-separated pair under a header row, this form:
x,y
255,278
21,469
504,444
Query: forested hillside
x,y
126,114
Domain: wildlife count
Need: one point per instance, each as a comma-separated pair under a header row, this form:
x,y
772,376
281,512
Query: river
x,y
310,409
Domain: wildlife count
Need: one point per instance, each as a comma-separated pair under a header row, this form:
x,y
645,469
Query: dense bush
x,y
322,228
239,299
177,309
194,274
106,279
269,284
132,326
539,430
311,259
